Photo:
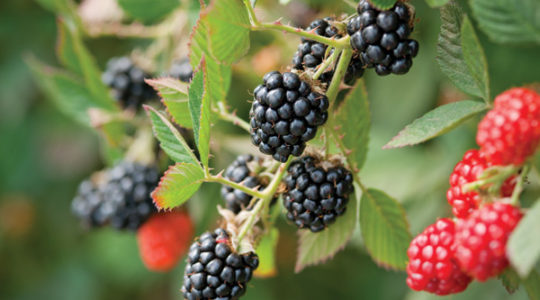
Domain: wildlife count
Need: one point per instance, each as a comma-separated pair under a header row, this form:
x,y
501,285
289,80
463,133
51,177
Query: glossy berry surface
x,y
466,171
316,196
127,82
432,266
285,115
481,239
510,132
214,270
164,239
381,38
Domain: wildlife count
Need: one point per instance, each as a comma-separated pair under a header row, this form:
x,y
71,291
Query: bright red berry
x,y
432,266
510,132
481,239
164,239
467,171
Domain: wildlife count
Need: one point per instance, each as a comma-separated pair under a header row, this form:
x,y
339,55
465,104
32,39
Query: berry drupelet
x,y
315,195
241,170
214,270
285,115
381,38
181,69
127,82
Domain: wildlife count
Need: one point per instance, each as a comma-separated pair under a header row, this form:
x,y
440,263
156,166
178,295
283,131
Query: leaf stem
x,y
497,178
238,186
341,43
519,184
251,13
339,73
327,63
225,115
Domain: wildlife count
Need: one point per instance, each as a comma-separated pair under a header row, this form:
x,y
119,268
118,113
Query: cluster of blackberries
x,y
315,195
181,69
127,82
285,115
121,198
239,171
310,54
214,270
382,37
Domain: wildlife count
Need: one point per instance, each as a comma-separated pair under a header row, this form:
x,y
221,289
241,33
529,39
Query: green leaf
x,y
315,248
173,94
385,229
532,285
508,21
148,10
524,246
383,4
65,50
510,280
450,54
474,56
171,141
69,94
199,107
436,3
177,185
354,119
266,250
436,122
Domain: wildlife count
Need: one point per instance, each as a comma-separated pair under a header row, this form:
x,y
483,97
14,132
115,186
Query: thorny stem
x,y
220,179
496,178
326,63
519,184
225,115
341,69
341,43
265,199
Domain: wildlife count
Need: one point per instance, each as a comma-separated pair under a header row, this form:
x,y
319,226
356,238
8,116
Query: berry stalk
x,y
225,115
519,185
327,63
220,179
341,69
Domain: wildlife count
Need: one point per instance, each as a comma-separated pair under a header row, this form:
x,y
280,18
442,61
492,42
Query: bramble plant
x,y
309,125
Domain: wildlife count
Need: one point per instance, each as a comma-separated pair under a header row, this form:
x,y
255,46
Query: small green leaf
x,y
199,107
354,118
509,21
532,285
177,185
65,50
315,248
171,141
510,280
450,54
436,3
524,246
266,250
383,4
385,229
436,122
148,10
173,94
474,56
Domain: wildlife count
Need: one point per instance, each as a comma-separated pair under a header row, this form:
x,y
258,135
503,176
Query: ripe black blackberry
x,y
317,192
241,170
181,69
121,197
214,270
310,54
285,115
127,82
381,38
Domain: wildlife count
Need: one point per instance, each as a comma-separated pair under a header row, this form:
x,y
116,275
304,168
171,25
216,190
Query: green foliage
x,y
354,122
510,280
315,248
509,21
383,4
524,246
456,41
385,229
177,185
436,3
174,96
199,107
532,285
436,122
266,252
148,10
171,141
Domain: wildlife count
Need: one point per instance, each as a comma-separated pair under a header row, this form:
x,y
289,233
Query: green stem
x,y
519,184
234,185
225,115
251,13
496,178
341,43
327,63
341,69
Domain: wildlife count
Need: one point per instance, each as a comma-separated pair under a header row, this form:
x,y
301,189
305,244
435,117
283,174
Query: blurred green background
x,y
45,254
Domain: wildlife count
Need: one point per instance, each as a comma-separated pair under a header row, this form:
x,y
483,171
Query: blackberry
x,y
214,270
127,82
285,115
181,69
381,38
316,193
241,170
310,54
121,198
